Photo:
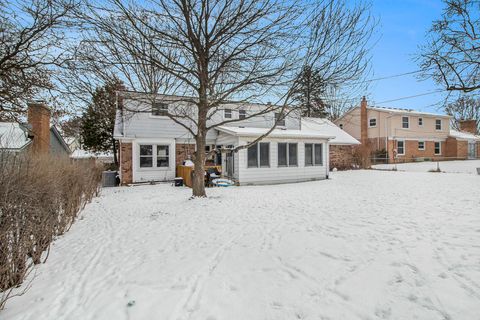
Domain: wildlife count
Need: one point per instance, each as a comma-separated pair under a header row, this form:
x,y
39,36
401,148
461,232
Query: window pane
x,y
308,154
228,113
279,120
146,161
373,122
162,156
146,150
292,154
437,147
159,109
264,154
405,122
438,124
400,147
242,114
318,154
252,156
282,154
420,121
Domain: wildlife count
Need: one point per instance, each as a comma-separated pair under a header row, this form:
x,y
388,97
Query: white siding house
x,y
152,144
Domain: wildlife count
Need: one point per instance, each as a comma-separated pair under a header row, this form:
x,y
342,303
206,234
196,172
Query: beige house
x,y
410,135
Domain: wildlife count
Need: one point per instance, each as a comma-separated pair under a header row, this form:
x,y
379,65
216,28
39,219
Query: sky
x,y
402,27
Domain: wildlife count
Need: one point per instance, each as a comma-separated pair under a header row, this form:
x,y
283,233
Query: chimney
x,y
363,121
39,120
468,126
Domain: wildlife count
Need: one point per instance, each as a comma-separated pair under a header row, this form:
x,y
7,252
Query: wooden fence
x,y
186,173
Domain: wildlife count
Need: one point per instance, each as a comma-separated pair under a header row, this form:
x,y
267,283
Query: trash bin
x,y
109,179
178,182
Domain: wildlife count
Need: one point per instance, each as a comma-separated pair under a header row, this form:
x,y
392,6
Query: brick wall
x,y
412,152
126,163
341,157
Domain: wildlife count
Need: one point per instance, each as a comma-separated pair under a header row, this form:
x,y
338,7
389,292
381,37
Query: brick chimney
x,y
468,126
39,120
363,121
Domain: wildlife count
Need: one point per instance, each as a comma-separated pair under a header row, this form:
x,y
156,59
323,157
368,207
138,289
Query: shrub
x,y
40,198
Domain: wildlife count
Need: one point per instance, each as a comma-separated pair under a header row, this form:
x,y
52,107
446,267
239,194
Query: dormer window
x,y
159,109
405,123
242,114
227,113
372,122
279,119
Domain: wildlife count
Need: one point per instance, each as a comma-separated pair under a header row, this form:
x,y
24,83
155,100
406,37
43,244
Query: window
x,y
227,113
147,159
287,154
207,149
146,156
159,109
420,122
162,156
258,153
405,122
438,124
372,122
242,114
313,154
421,145
438,148
400,147
280,119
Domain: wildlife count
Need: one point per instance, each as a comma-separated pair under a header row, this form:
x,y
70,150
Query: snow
x,y
460,166
325,126
462,135
276,133
84,154
409,111
363,245
12,136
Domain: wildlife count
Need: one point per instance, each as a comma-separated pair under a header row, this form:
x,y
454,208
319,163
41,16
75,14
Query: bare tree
x,y
31,37
213,52
465,108
452,55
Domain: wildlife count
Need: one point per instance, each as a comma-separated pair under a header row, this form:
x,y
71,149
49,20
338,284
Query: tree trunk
x,y
198,179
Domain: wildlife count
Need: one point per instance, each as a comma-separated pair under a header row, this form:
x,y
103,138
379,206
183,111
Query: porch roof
x,y
462,135
276,133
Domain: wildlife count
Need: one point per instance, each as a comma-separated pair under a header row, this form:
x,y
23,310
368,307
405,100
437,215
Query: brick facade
x,y
126,168
341,157
412,152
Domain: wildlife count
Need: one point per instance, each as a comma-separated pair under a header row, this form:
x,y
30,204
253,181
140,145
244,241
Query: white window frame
x,y
280,123
227,111
420,119
314,164
258,156
404,147
242,114
164,107
288,155
441,125
370,124
423,142
154,156
439,148
408,122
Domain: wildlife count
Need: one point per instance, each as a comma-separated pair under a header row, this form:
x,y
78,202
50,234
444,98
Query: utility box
x,y
178,182
109,179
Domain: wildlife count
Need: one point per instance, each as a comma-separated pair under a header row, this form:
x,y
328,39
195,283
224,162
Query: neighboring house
x,y
405,134
38,135
152,144
341,147
78,153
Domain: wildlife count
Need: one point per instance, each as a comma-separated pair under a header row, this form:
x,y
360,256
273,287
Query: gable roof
x,y
276,133
327,127
13,136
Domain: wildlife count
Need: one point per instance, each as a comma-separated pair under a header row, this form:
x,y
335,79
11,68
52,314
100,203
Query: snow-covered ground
x,y
363,245
463,166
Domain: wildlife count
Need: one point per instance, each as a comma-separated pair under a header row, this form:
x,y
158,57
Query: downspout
x,y
386,131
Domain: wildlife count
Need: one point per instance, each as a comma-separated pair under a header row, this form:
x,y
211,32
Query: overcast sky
x,y
402,28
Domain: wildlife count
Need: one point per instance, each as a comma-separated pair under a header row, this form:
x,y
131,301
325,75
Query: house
x,y
408,135
38,135
152,144
341,147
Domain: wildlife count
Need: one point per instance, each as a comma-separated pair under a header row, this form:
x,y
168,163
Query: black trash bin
x,y
178,182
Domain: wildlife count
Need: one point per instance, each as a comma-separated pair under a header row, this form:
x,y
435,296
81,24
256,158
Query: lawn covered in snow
x,y
461,166
363,245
